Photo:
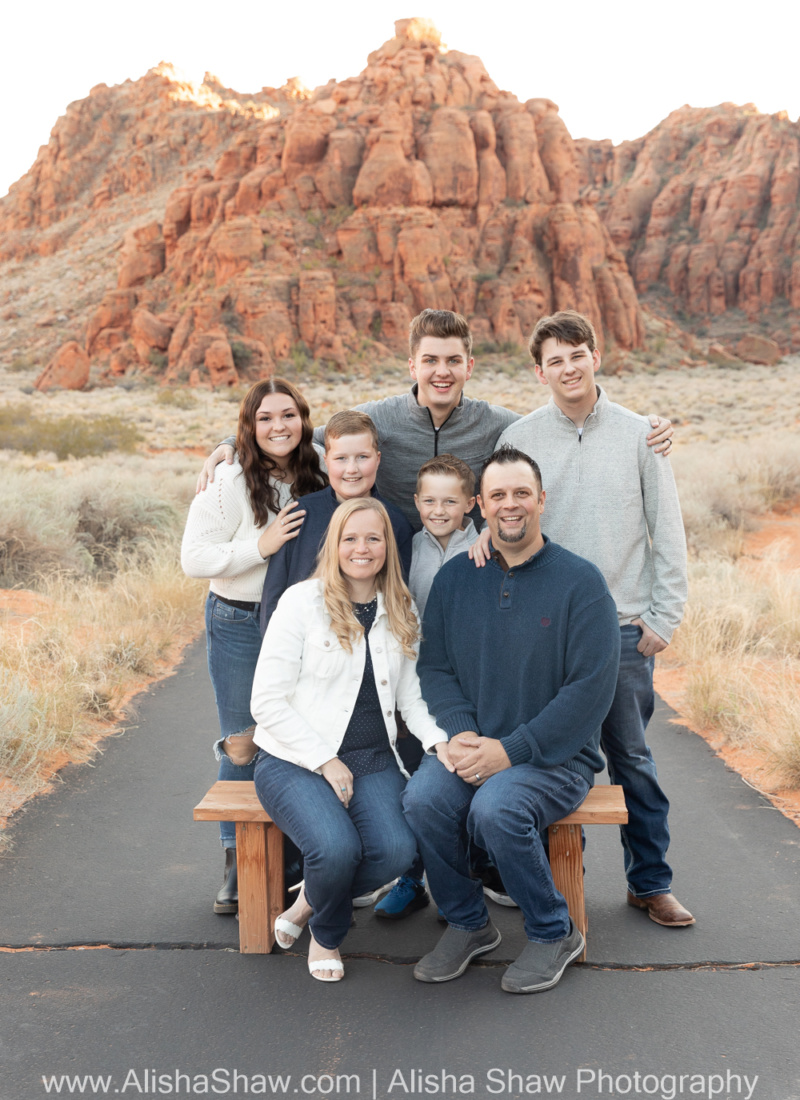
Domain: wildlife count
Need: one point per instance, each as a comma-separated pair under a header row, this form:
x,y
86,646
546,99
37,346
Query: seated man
x,y
518,665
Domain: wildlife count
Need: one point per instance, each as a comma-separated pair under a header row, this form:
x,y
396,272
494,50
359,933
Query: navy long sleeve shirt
x,y
297,558
529,656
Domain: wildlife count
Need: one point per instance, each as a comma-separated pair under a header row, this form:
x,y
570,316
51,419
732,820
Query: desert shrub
x,y
158,359
176,398
80,521
20,363
231,320
22,430
723,488
242,355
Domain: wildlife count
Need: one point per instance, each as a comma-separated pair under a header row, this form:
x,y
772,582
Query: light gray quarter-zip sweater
x,y
613,500
408,438
428,557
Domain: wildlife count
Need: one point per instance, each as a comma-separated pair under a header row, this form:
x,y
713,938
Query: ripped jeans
x,y
233,643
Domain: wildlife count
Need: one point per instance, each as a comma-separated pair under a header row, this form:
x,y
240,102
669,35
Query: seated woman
x,y
338,656
233,529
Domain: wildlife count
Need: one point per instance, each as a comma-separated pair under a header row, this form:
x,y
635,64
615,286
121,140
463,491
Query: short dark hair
x,y
504,456
441,323
568,327
449,466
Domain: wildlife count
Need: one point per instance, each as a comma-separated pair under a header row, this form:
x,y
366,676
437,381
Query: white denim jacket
x,y
306,683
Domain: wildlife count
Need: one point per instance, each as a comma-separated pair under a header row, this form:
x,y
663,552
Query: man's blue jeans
x,y
505,816
233,643
346,852
645,839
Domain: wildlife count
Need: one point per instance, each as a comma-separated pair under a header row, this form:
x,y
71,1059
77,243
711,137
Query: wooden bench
x,y
259,854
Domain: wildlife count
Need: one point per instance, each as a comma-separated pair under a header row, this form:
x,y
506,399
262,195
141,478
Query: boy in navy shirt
x,y
352,457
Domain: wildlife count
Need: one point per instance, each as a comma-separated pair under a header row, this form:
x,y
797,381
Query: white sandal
x,y
326,964
289,928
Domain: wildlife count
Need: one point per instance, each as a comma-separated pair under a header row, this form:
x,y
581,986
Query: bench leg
x,y
566,863
255,927
275,883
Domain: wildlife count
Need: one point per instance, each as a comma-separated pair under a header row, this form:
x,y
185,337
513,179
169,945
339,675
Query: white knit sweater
x,y
221,536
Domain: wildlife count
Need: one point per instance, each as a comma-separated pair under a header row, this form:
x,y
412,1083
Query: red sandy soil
x,y
776,540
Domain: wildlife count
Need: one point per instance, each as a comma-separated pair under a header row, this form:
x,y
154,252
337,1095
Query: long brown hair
x,y
258,467
403,624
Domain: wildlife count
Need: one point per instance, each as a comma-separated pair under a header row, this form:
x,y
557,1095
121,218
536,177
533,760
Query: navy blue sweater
x,y
297,558
529,656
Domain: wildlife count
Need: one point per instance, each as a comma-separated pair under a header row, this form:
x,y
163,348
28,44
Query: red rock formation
x,y
69,369
308,222
710,208
758,349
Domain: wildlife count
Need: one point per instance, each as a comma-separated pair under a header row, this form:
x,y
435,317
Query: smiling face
x,y
440,368
278,426
352,462
442,503
362,547
511,503
569,372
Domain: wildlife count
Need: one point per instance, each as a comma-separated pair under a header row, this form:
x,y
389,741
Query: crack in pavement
x,y
634,968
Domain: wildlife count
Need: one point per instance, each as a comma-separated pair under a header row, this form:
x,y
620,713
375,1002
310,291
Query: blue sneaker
x,y
406,897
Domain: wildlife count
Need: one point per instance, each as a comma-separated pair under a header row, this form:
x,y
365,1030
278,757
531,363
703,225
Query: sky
x,y
615,69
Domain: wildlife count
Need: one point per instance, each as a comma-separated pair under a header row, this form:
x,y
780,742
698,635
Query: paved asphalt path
x,y
114,967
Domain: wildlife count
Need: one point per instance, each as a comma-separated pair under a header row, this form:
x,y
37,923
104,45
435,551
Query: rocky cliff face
x,y
255,230
706,207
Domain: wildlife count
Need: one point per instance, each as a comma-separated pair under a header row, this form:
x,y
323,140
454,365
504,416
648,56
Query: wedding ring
x,y
477,777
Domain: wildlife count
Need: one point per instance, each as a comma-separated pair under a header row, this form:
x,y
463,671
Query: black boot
x,y
227,900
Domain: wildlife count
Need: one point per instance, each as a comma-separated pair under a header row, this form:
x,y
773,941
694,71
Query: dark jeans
x,y
645,839
346,852
505,816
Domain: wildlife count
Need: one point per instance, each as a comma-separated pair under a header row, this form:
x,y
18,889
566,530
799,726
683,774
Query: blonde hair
x,y
403,624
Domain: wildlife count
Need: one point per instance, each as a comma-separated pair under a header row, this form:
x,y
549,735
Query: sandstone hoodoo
x,y
290,224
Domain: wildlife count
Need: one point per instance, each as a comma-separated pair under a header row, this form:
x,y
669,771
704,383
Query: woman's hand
x,y
340,778
282,528
223,453
442,754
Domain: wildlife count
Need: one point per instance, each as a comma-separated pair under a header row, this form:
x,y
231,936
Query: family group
x,y
430,624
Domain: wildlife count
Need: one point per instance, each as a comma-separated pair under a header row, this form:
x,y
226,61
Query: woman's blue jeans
x,y
233,643
346,852
505,816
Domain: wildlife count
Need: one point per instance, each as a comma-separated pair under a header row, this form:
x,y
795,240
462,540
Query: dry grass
x,y
739,642
106,569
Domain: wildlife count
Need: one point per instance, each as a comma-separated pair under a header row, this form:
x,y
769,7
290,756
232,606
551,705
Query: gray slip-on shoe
x,y
454,952
541,965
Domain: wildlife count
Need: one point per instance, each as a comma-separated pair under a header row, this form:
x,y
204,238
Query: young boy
x,y
445,494
352,458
